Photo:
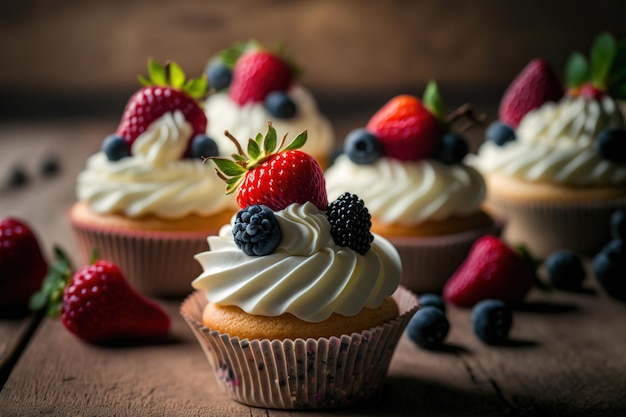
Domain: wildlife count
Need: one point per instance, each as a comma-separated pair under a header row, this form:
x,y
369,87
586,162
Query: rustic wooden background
x,y
68,58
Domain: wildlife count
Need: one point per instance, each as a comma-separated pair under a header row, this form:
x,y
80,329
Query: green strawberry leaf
x,y
253,149
196,87
230,55
50,295
269,144
576,70
603,53
298,142
228,167
157,73
432,101
238,158
177,75
144,81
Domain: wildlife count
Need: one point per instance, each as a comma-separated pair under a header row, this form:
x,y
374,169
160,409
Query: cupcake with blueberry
x,y
407,165
555,161
298,304
146,200
254,84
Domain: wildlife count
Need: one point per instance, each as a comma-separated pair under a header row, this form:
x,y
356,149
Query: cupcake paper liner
x,y
428,262
545,227
156,264
300,374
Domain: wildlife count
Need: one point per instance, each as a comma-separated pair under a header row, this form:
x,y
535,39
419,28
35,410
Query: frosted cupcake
x,y
292,309
255,84
408,168
560,173
146,200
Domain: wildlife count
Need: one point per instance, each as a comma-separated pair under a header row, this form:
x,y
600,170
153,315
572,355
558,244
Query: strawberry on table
x,y
97,304
492,270
22,264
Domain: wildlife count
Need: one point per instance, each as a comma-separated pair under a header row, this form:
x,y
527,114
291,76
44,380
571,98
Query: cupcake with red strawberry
x,y
254,84
555,161
407,165
146,200
294,289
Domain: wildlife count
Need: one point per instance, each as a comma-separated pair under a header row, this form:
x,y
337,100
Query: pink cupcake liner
x,y
155,263
545,227
300,374
428,262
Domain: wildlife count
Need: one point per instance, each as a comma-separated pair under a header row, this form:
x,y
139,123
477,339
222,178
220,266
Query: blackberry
x,y
256,230
350,223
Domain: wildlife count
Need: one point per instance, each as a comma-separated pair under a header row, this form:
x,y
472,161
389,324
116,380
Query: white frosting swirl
x,y
555,144
154,180
408,193
308,275
245,122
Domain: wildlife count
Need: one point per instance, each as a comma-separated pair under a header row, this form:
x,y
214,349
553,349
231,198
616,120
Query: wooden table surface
x,y
567,355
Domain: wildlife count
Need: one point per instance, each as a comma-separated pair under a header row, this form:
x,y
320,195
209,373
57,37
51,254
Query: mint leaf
x,y
576,70
432,101
603,53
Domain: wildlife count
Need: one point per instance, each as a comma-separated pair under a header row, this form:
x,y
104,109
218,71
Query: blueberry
x,y
451,149
115,147
280,105
256,230
17,176
565,270
492,320
49,166
609,267
432,300
618,224
428,327
611,145
203,146
362,147
219,75
500,133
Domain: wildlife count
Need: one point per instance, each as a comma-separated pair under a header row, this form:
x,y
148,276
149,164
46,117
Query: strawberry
x,y
406,129
22,264
165,91
535,85
256,74
492,270
271,176
97,304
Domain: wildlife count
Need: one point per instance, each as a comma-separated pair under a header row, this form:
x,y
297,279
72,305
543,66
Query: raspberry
x,y
256,230
350,223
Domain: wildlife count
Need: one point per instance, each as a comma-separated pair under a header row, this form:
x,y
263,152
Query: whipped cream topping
x,y
555,144
408,193
154,180
307,275
245,122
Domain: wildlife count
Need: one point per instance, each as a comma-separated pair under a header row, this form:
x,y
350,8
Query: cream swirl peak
x,y
409,192
154,180
307,275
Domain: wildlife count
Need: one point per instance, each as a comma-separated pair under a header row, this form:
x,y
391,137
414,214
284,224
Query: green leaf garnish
x,y
576,70
602,55
432,100
228,167
298,142
173,76
269,144
157,73
50,295
177,75
253,149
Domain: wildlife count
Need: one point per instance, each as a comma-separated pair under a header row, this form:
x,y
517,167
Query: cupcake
x,y
254,84
555,161
298,305
407,165
146,200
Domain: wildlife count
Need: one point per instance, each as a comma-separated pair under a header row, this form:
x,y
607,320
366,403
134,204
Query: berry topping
x,y
350,223
491,270
611,145
451,148
272,174
535,85
565,270
361,146
17,176
499,133
49,166
428,328
432,300
167,90
219,75
618,224
609,267
256,230
280,105
203,147
115,147
492,321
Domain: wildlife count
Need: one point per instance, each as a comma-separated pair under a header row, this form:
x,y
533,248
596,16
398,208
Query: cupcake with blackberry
x,y
407,165
254,84
555,161
146,200
296,291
